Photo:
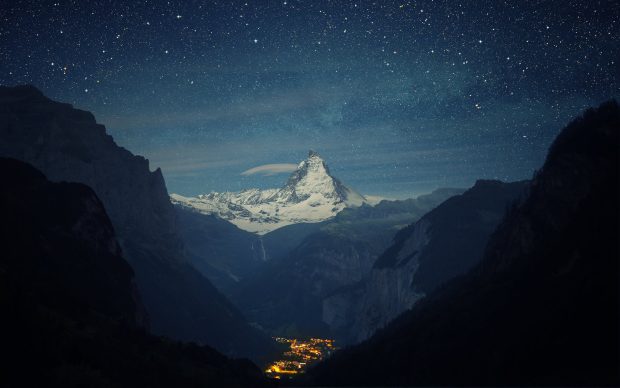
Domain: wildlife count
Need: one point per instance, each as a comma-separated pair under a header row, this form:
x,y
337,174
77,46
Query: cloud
x,y
271,169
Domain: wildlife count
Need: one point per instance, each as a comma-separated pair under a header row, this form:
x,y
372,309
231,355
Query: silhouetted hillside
x,y
541,308
67,144
71,315
419,260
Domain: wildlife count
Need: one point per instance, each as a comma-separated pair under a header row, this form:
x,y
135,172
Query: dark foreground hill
x,y
67,144
541,308
71,315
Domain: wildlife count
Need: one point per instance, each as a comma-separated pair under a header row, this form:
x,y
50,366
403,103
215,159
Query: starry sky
x,y
399,97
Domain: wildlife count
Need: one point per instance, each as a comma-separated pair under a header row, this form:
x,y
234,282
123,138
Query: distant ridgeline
x,y
311,194
542,306
332,278
313,237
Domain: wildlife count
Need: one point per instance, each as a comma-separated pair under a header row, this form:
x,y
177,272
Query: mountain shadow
x,y
542,306
71,313
419,260
218,249
66,144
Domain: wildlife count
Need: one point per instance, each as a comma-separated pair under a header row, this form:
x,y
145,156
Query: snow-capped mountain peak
x,y
311,194
312,177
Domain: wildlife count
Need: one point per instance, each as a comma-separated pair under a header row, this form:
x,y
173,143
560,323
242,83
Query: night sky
x,y
399,97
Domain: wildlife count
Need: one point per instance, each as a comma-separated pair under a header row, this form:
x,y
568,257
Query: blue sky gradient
x,y
399,97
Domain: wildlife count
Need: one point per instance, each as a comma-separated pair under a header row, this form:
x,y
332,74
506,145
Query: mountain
x,y
66,144
227,255
419,260
542,306
311,194
218,249
285,296
71,313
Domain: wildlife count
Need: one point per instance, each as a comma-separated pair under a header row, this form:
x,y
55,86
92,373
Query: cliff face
x,y
68,145
379,297
542,306
70,313
57,237
420,260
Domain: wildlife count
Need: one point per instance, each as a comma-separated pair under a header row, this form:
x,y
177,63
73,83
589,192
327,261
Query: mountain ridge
x,y
419,259
541,308
285,296
310,194
72,315
67,144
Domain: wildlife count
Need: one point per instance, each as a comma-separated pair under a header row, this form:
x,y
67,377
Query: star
x,y
395,79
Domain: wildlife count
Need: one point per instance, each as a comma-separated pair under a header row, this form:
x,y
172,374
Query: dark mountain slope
x,y
286,295
280,242
466,221
420,260
71,315
541,308
220,250
68,145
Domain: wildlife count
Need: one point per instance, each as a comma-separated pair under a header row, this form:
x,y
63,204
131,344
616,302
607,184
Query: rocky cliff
x,y
420,260
58,238
71,315
68,145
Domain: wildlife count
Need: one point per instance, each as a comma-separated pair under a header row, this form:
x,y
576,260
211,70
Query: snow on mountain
x,y
311,194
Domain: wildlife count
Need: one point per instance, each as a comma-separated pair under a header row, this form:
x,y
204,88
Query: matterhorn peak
x,y
311,178
313,154
310,194
313,163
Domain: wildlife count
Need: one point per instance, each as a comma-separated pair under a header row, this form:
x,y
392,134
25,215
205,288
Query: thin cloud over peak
x,y
271,169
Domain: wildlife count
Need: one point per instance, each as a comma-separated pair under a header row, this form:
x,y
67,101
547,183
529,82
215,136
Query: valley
x,y
121,284
300,355
285,280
